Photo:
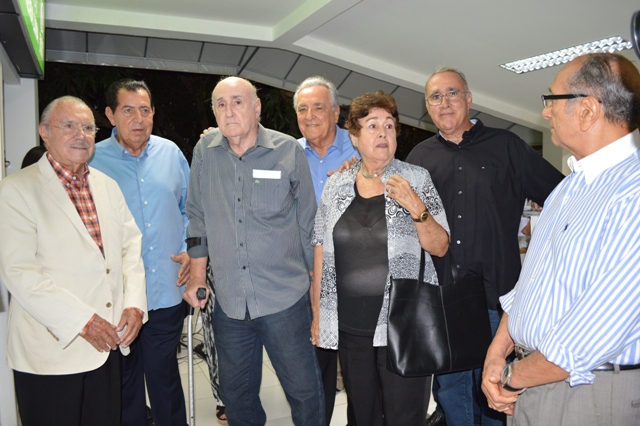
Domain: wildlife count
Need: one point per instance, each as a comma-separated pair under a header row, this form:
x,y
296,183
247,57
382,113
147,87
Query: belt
x,y
522,353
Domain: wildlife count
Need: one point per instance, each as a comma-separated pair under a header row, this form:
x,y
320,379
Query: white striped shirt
x,y
578,297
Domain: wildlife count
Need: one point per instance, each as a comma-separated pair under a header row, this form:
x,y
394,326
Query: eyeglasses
x,y
547,99
453,96
71,128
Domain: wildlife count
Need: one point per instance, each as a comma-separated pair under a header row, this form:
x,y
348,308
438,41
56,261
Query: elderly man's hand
x,y
132,319
102,335
498,398
345,166
185,268
190,294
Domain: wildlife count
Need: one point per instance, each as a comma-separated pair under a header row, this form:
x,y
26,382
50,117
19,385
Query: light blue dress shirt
x,y
578,297
155,187
341,151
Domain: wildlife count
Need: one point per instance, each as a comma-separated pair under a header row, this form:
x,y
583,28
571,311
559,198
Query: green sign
x,y
32,12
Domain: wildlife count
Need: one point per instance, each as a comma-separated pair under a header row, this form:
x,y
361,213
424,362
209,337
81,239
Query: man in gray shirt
x,y
251,199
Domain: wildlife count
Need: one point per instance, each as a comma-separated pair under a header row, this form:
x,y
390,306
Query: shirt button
x,y
240,221
241,244
153,270
108,270
321,161
238,199
108,305
240,158
459,192
458,242
458,266
459,168
141,180
459,217
151,248
239,178
148,225
244,267
145,203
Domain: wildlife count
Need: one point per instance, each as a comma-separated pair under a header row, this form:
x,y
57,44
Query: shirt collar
x,y
263,140
338,141
594,164
65,175
468,134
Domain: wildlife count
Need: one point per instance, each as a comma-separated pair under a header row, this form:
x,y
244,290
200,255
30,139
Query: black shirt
x,y
362,264
483,183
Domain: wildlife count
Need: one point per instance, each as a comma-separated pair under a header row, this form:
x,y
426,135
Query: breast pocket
x,y
270,196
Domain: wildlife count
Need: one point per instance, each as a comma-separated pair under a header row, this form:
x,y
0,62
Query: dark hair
x,y
129,85
33,155
362,106
615,82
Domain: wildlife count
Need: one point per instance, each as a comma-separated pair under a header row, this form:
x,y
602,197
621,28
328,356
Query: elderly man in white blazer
x,y
70,255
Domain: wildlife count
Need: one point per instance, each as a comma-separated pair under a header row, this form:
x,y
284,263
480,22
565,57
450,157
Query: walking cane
x,y
200,294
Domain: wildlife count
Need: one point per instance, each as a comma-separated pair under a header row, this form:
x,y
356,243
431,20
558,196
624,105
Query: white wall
x,y
21,121
18,133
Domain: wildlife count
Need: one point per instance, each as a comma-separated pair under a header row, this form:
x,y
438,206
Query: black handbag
x,y
434,329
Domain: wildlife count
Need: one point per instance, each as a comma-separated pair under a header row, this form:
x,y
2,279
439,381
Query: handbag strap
x,y
422,261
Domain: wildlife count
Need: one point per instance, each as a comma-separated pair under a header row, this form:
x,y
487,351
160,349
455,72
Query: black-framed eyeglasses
x,y
547,99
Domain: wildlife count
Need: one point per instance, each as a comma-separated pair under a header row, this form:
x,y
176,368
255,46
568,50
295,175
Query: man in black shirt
x,y
483,176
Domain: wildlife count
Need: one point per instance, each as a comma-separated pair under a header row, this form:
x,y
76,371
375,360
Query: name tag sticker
x,y
266,174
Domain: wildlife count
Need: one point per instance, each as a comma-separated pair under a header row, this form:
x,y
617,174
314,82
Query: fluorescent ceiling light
x,y
559,57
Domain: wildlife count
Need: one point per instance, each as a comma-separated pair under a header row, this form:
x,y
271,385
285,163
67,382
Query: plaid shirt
x,y
77,186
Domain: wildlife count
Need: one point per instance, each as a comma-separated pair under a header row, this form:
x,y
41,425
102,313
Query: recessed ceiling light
x,y
559,57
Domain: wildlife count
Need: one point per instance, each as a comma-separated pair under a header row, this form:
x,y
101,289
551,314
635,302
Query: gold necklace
x,y
373,175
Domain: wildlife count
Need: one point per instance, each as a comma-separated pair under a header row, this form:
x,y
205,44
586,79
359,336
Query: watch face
x,y
424,216
503,375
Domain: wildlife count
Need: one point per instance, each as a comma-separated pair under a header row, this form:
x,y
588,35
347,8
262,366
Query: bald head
x,y
613,80
237,109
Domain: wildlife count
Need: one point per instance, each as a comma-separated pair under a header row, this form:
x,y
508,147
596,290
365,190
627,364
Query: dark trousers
x,y
328,363
153,358
90,398
285,336
378,396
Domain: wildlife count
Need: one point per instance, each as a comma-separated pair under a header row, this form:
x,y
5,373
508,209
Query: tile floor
x,y
273,399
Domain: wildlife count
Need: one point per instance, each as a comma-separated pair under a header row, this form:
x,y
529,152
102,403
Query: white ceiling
x,y
360,44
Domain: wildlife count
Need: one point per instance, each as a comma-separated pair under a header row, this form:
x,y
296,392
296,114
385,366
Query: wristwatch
x,y
505,379
422,217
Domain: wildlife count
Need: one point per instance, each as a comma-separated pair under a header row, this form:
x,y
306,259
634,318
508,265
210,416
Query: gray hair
x,y
449,69
610,79
317,81
45,118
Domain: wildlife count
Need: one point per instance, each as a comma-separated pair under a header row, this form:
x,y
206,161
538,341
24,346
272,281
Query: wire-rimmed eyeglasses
x,y
71,128
453,96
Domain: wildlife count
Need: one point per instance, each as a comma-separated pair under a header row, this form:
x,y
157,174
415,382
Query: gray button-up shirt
x,y
257,212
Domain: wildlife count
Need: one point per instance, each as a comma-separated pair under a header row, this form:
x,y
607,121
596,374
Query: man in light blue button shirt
x,y
326,147
153,174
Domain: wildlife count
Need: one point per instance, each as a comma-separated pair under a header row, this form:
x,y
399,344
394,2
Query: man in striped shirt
x,y
574,316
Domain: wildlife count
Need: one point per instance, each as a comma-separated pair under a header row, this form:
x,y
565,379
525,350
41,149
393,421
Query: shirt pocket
x,y
270,196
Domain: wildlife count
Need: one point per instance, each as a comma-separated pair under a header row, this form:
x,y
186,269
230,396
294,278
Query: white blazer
x,y
56,273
